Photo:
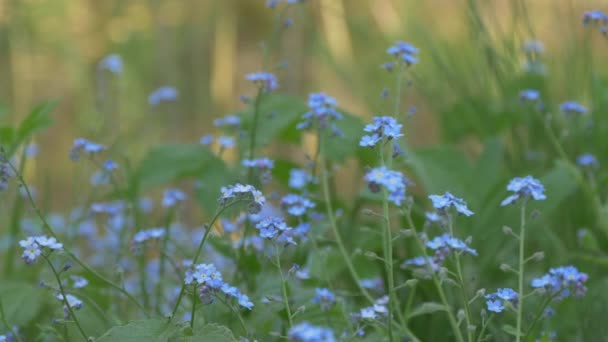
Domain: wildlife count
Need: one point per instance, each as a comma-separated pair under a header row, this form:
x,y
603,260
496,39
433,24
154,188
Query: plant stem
x,y
14,223
194,300
236,313
142,276
50,231
283,285
332,220
483,328
197,255
467,311
65,298
8,326
436,281
163,258
522,238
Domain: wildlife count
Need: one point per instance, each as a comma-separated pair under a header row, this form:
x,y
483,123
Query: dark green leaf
x,y
427,308
157,330
210,332
509,329
22,302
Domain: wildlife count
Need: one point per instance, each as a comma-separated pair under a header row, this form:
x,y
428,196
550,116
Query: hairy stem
x,y
520,274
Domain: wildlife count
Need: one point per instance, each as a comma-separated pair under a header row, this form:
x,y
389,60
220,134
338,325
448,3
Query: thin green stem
x,y
520,275
483,328
332,220
236,313
50,231
8,326
142,277
436,281
197,255
283,285
193,313
163,258
14,223
65,298
467,311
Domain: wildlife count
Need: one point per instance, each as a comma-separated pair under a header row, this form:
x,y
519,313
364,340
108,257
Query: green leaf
x,y
7,136
38,119
210,332
21,301
427,308
326,262
157,330
171,162
441,169
340,148
277,115
509,329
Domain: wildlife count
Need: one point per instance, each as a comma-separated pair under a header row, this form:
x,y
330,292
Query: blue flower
x,y
572,107
495,305
529,95
82,145
451,243
226,142
271,227
296,205
162,94
322,111
231,121
265,80
244,301
382,127
325,298
112,63
564,281
34,245
306,332
587,160
110,165
421,261
393,181
404,52
299,179
148,234
172,196
594,17
524,187
243,192
260,163
206,139
447,200
496,301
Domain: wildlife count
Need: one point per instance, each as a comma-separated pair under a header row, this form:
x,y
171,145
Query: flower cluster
x,y
306,332
563,282
211,283
148,234
524,187
296,205
173,196
229,121
404,52
445,244
299,179
382,127
497,301
393,181
322,112
272,227
379,308
529,95
35,245
81,146
443,203
260,163
325,298
597,18
243,192
265,80
572,107
163,94
71,301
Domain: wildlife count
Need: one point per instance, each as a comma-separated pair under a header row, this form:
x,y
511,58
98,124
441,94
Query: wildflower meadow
x,y
298,215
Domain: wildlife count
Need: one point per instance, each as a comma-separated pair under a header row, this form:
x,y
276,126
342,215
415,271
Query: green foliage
x,y
157,330
22,302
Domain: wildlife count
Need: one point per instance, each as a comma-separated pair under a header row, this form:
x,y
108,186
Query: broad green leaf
x,y
21,301
38,119
157,330
441,169
427,308
210,332
509,329
7,136
339,148
171,162
277,114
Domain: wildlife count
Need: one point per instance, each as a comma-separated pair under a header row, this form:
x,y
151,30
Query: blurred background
x,y
472,64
